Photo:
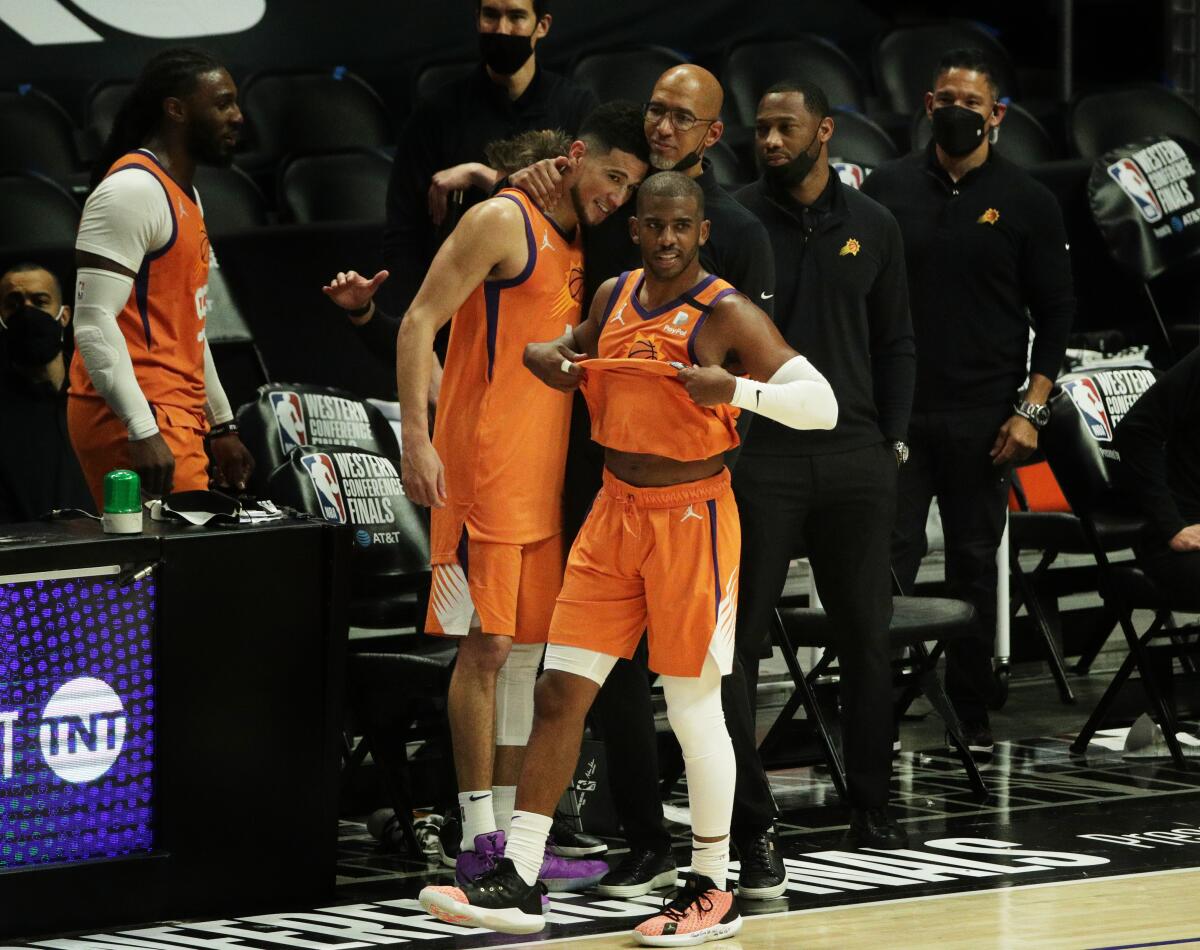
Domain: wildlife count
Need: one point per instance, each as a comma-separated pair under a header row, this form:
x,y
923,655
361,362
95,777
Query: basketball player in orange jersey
x,y
493,473
660,548
144,389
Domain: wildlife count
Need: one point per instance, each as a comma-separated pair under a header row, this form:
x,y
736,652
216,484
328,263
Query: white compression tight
x,y
514,693
698,721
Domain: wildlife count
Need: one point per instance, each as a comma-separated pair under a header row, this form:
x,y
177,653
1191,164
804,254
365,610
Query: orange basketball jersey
x,y
501,432
636,403
163,320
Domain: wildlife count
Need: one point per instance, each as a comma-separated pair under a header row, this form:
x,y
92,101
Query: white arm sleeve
x,y
126,217
216,406
797,396
99,296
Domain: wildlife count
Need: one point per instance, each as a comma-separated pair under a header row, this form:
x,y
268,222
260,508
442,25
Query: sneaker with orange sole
x,y
699,912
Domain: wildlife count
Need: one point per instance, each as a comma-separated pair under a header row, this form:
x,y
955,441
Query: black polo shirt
x,y
980,253
841,300
38,468
450,127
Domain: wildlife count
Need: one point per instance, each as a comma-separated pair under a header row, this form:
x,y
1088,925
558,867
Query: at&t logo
x,y
81,733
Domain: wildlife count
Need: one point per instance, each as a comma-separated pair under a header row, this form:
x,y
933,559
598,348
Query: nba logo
x,y
289,417
1128,175
329,490
851,175
1087,400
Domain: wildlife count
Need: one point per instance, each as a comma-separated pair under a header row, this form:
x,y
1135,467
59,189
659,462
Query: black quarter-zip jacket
x,y
841,300
979,252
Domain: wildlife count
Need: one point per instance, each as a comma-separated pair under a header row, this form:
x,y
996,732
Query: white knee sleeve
x,y
698,720
514,693
588,663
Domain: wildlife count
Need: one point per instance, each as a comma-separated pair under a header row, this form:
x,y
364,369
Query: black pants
x,y
1176,572
839,509
949,459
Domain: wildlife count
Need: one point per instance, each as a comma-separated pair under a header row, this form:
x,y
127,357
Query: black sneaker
x,y
640,871
762,877
874,828
498,900
566,842
449,841
978,736
699,912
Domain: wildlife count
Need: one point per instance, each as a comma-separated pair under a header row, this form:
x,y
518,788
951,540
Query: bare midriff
x,y
657,471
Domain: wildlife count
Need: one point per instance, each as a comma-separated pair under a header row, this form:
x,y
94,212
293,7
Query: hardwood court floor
x,y
1143,910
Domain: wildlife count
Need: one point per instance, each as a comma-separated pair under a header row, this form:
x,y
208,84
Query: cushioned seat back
x,y
858,146
35,212
361,490
754,67
285,416
231,200
40,136
341,186
1078,441
1101,121
907,57
435,75
625,73
104,101
1021,139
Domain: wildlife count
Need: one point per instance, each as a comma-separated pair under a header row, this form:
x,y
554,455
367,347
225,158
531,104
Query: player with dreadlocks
x,y
144,390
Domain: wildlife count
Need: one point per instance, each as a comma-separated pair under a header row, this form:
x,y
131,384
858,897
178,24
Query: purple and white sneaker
x,y
489,848
570,874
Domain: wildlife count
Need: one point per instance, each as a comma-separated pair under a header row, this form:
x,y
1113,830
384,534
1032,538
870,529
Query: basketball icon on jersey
x,y
1128,174
325,482
289,417
1087,399
643,349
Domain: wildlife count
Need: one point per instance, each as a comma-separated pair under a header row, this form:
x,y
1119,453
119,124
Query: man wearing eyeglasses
x,y
682,121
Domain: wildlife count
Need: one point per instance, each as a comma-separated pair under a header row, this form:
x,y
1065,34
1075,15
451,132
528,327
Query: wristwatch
x,y
901,450
1037,414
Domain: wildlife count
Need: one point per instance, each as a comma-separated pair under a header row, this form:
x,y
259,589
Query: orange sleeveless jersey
x,y
163,320
500,432
639,406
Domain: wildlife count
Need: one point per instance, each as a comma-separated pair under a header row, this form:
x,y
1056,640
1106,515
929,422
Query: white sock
x,y
477,816
711,858
526,845
504,799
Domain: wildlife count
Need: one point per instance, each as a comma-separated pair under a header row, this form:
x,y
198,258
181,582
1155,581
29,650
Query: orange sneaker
x,y
699,912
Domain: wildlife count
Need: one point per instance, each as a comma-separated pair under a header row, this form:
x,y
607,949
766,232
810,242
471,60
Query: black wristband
x,y
225,428
360,311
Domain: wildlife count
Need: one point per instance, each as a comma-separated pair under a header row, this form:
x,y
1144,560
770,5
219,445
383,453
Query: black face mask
x,y
957,130
795,171
505,53
34,337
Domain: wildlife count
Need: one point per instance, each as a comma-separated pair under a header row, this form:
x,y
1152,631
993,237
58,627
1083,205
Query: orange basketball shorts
x,y
661,560
505,589
101,443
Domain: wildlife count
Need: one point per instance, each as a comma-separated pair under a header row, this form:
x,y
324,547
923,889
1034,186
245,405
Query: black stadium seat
x,y
39,135
753,67
906,58
34,211
296,113
1022,138
101,106
859,141
626,73
726,166
231,200
285,416
435,75
1104,120
341,186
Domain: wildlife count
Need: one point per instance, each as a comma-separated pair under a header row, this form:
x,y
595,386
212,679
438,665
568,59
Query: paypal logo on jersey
x,y
289,417
329,490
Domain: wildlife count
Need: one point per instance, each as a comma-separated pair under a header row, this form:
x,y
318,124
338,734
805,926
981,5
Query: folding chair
x,y
1084,474
915,621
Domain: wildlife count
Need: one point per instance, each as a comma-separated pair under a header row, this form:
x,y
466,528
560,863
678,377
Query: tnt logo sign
x,y
329,490
82,730
1087,399
851,175
289,417
1128,174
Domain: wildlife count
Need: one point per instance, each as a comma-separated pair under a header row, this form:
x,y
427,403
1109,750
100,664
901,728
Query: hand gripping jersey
x,y
163,320
636,402
500,432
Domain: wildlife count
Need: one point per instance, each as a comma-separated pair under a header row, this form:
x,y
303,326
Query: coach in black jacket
x,y
841,299
986,250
